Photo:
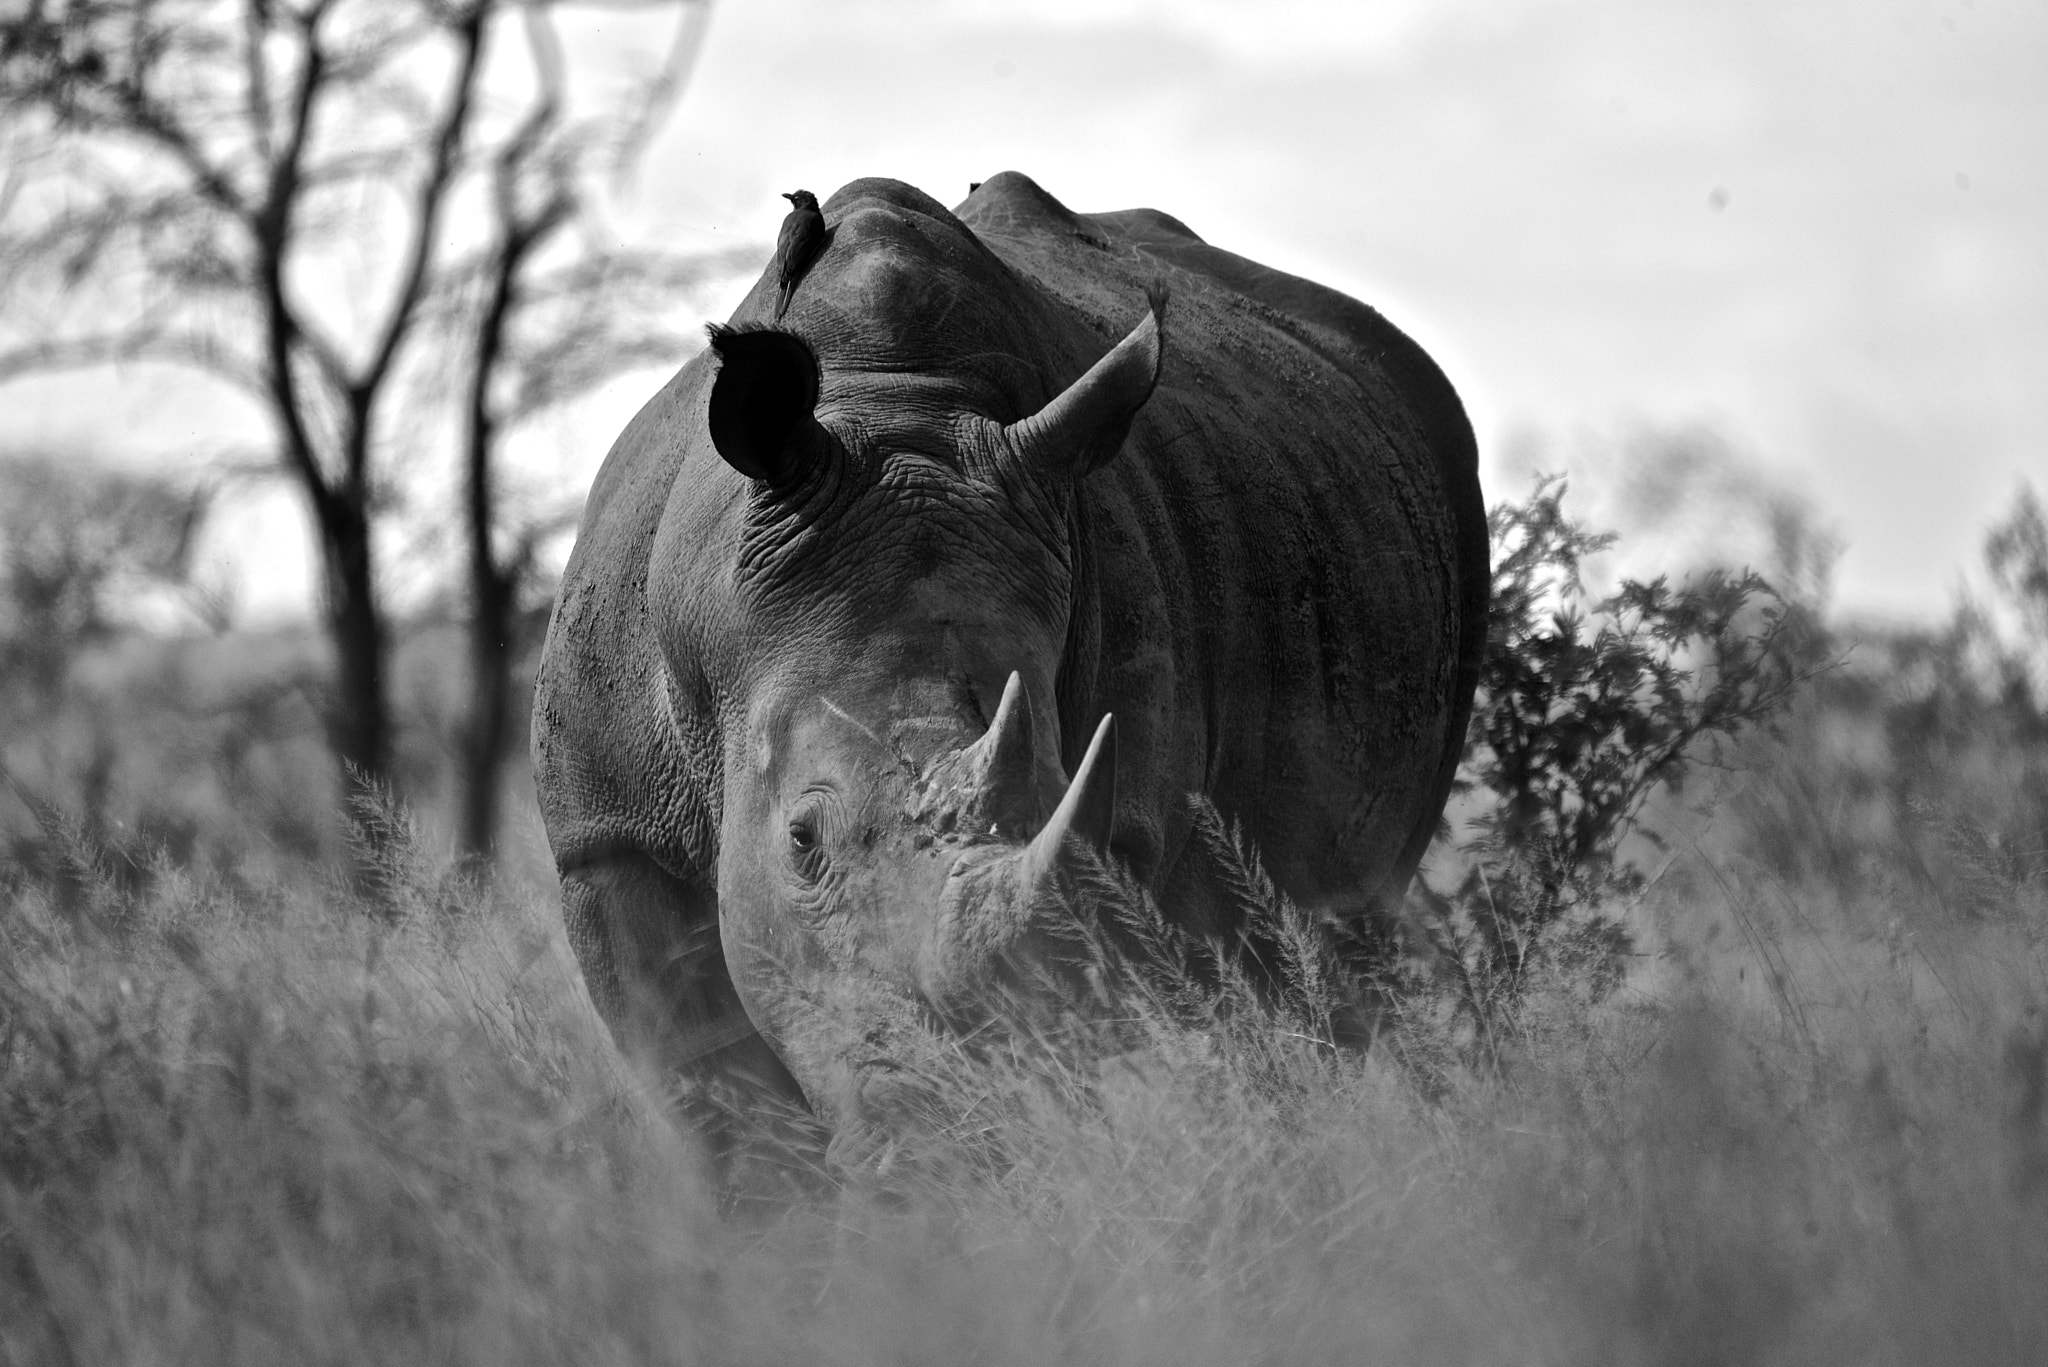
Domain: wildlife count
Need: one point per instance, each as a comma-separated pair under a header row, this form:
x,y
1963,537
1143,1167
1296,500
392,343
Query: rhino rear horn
x,y
1088,811
1086,424
761,405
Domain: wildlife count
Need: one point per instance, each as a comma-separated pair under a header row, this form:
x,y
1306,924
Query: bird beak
x,y
791,198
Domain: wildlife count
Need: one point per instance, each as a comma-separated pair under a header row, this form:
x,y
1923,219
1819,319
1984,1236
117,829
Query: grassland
x,y
254,1115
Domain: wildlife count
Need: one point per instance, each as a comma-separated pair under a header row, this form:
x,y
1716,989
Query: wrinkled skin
x,y
822,712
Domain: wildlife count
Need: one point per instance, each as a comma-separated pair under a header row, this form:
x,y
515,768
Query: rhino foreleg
x,y
649,948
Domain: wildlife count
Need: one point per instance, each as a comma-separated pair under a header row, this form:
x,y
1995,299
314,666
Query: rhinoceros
x,y
1022,535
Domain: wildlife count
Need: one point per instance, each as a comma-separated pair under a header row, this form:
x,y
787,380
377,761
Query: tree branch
x,y
428,204
256,75
658,96
273,235
158,124
520,237
193,350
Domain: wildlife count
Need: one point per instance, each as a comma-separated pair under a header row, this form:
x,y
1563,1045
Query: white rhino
x,y
882,614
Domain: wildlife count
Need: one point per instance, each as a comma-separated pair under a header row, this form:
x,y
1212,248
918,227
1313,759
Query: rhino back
x,y
1287,600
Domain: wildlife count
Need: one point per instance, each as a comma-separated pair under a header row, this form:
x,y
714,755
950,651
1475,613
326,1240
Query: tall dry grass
x,y
255,1122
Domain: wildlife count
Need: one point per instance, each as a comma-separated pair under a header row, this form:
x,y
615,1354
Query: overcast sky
x,y
1819,228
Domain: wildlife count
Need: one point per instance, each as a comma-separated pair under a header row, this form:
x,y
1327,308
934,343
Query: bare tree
x,y
377,220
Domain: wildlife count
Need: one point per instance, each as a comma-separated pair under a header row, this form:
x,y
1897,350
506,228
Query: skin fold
x,y
820,722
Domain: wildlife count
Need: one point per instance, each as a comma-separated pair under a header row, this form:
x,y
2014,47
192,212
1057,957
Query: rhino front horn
x,y
1087,812
1000,785
1004,757
1087,423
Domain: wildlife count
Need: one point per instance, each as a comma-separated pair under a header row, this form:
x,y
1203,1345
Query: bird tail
x,y
782,300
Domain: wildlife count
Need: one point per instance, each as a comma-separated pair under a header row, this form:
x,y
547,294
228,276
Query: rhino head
x,y
895,815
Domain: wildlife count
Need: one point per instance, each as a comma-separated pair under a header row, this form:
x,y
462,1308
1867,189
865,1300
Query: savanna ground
x,y
257,1110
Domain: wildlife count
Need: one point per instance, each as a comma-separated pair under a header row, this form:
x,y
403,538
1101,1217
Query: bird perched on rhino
x,y
797,245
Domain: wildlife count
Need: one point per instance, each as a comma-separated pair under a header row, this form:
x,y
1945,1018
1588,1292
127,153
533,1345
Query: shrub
x,y
2016,554
1584,709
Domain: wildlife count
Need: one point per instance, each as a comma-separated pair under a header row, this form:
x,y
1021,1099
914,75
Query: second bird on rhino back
x,y
977,542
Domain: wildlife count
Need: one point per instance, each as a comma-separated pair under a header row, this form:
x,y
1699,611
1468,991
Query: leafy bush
x,y
1585,708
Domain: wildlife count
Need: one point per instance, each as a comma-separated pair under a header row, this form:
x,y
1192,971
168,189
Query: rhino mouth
x,y
897,1118
992,792
992,973
875,1063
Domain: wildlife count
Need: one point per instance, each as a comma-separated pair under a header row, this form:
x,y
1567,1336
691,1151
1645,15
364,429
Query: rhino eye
x,y
806,851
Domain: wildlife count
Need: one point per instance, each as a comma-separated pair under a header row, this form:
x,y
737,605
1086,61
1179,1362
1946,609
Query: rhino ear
x,y
761,405
1087,423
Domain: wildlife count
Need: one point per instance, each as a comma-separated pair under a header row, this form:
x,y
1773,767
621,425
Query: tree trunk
x,y
491,585
360,719
490,702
